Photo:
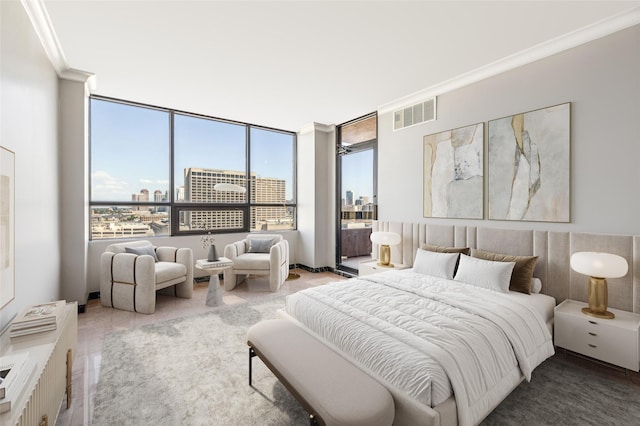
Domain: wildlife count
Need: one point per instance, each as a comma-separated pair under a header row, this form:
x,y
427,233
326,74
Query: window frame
x,y
346,149
176,207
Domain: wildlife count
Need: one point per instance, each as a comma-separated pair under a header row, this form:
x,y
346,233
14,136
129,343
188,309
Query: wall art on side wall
x,y
453,173
529,162
7,220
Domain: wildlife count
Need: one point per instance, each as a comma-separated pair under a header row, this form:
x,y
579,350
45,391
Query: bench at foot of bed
x,y
329,387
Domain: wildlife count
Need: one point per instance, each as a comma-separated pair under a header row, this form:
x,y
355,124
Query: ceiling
x,y
286,64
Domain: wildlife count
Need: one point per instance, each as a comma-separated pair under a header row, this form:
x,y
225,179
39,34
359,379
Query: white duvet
x,y
430,337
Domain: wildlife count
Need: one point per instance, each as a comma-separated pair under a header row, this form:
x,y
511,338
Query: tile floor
x,y
98,321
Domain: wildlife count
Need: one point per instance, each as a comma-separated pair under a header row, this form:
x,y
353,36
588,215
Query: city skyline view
x,y
357,174
131,150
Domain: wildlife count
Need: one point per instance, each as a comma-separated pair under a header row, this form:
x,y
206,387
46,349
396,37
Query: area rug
x,y
194,371
564,393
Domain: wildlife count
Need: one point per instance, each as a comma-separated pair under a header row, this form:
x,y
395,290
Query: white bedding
x,y
430,337
543,304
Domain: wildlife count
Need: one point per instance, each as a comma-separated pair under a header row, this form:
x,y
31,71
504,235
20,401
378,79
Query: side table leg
x,y
214,294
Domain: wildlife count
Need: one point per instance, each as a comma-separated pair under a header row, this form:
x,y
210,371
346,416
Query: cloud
x,y
146,181
106,187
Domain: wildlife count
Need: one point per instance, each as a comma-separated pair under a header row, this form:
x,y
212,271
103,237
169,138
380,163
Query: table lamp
x,y
385,239
599,266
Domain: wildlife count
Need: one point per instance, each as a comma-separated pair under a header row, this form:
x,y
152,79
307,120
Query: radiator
x,y
54,377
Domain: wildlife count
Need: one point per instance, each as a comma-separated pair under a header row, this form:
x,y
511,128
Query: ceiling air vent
x,y
415,114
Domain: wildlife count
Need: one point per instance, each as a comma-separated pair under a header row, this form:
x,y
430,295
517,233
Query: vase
x,y
213,255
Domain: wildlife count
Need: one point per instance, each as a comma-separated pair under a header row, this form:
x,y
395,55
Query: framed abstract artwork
x,y
7,227
453,173
529,165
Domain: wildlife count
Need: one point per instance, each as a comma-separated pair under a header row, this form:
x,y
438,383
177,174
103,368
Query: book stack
x,y
222,261
37,319
15,371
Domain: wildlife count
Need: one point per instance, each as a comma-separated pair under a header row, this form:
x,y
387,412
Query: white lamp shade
x,y
229,187
385,238
599,265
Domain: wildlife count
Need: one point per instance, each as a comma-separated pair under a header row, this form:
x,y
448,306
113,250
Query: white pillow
x,y
536,285
440,265
485,273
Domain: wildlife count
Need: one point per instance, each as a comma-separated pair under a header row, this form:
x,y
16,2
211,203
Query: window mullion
x,y
195,143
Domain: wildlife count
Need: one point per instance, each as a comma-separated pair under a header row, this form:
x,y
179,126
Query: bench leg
x,y
252,353
313,421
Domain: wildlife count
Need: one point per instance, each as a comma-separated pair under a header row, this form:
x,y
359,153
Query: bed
x,y
446,392
426,338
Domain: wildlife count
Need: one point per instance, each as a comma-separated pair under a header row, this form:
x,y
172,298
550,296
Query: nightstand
x,y
372,267
615,341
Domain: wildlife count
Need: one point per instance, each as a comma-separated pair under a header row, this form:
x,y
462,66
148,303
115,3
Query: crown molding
x,y
564,42
39,17
312,127
79,76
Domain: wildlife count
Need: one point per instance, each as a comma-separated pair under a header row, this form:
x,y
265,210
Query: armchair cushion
x,y
253,261
121,247
142,250
167,271
260,244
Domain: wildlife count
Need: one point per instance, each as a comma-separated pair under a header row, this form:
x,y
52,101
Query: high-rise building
x,y
141,197
349,198
199,186
158,197
179,193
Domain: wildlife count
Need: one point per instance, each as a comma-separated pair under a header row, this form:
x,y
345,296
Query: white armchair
x,y
132,272
258,254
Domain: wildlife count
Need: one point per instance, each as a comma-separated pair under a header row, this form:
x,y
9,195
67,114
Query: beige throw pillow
x,y
444,249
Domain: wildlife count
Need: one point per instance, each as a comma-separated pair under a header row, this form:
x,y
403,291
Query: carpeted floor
x,y
566,394
194,371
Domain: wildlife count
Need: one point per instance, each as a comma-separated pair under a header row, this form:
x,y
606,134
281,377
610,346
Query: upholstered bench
x,y
329,387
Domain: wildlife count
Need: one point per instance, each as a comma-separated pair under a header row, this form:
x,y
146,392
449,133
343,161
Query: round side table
x,y
214,293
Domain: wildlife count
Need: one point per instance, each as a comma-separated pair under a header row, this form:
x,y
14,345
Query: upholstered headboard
x,y
553,249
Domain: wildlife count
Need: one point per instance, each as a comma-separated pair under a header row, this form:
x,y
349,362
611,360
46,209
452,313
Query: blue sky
x,y
130,150
357,174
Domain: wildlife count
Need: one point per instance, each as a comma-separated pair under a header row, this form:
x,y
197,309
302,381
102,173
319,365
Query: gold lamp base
x,y
598,299
385,256
604,315
293,276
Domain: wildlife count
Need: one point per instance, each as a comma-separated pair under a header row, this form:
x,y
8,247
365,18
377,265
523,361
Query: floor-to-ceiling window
x,y
154,172
356,189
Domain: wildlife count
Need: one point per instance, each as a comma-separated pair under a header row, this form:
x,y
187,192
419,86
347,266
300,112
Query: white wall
x,y
602,81
29,127
316,201
74,222
325,224
306,212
